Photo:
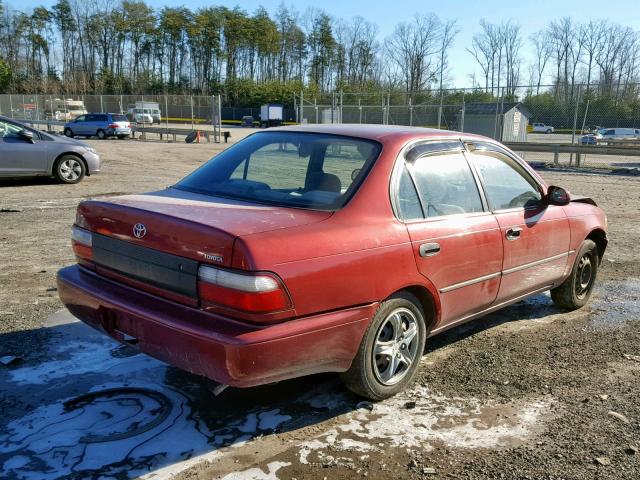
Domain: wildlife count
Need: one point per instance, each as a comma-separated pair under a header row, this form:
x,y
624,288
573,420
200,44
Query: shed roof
x,y
489,108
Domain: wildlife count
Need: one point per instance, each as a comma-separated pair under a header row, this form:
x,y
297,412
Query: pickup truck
x,y
541,128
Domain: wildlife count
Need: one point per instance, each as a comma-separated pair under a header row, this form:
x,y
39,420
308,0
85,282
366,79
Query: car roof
x,y
380,133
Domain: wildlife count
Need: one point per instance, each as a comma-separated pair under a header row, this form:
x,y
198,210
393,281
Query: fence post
x,y
341,103
191,98
166,110
359,110
573,130
462,116
315,106
10,106
301,116
295,109
101,104
410,112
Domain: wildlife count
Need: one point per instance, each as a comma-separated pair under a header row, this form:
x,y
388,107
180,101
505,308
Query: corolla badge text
x,y
213,258
139,230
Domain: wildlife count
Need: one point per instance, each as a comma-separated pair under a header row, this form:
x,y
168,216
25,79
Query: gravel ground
x,y
524,393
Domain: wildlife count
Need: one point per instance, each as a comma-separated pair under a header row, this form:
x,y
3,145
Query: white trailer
x,y
271,115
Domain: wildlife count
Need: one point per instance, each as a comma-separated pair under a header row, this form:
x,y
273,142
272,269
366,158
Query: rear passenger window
x,y
446,185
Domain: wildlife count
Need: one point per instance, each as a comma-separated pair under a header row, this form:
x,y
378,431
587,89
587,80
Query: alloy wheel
x,y
396,346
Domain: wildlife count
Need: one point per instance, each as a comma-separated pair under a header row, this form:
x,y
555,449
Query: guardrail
x,y
578,150
174,132
143,130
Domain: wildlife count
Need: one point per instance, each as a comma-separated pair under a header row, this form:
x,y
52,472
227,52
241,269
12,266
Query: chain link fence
x,y
145,109
586,115
578,114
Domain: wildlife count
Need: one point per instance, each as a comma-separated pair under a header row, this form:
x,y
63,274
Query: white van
x,y
631,134
144,112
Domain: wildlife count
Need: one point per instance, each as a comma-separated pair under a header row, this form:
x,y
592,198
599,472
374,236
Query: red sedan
x,y
328,248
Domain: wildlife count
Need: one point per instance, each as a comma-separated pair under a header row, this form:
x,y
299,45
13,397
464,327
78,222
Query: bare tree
x,y
412,47
448,35
542,53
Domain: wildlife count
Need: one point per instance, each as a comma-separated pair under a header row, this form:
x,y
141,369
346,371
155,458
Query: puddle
x,y
95,409
614,303
456,422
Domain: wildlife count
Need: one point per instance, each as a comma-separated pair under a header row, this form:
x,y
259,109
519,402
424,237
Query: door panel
x,y
21,157
535,236
543,239
470,252
457,245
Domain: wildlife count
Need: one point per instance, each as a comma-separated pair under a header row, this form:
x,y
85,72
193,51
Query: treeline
x,y
129,47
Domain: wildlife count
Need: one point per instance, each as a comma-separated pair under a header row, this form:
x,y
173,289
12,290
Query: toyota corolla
x,y
328,249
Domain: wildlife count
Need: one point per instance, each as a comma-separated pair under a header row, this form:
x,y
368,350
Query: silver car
x,y
25,152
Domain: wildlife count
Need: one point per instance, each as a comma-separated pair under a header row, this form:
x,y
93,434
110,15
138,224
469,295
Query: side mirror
x,y
26,135
557,196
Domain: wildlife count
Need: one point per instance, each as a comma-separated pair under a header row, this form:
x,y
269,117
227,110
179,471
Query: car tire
x,y
191,137
548,131
70,169
377,376
575,291
68,132
101,135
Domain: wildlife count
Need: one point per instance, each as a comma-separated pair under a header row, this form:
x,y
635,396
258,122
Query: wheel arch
x,y
599,237
74,154
429,304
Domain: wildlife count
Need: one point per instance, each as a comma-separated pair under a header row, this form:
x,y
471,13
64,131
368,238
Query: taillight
x,y
81,241
113,126
247,292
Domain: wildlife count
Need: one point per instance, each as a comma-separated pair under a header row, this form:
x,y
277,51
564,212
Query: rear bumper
x,y
227,351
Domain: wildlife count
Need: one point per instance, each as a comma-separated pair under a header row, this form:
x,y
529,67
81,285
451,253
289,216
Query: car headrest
x,y
325,182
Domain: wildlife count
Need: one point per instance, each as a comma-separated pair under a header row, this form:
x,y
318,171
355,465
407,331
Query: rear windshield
x,y
294,169
119,118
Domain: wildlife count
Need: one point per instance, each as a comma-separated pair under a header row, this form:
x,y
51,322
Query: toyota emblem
x,y
139,230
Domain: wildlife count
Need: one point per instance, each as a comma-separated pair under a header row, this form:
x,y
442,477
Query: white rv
x,y
64,109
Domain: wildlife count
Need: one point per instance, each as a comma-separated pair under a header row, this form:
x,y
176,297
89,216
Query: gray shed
x,y
508,125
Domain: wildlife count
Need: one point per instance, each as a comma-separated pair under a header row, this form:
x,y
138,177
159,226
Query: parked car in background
x,y
538,127
588,139
605,134
25,151
101,125
144,112
328,248
247,121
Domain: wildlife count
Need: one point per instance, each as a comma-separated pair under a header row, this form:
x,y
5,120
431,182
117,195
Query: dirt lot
x,y
527,392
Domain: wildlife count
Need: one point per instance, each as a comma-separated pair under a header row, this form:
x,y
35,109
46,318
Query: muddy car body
x,y
328,248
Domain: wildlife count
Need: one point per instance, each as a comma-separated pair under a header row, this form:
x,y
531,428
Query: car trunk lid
x,y
157,240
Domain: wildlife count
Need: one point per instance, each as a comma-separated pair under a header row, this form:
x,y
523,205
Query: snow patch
x,y
457,422
257,473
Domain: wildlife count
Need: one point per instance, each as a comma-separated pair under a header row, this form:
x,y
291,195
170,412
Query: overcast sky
x,y
531,15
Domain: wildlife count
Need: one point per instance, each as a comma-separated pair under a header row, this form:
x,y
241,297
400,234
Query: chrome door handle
x,y
429,249
513,233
